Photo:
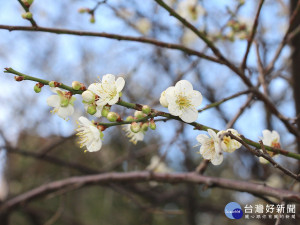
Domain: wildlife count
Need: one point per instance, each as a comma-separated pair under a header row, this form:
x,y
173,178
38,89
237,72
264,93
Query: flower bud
x,y
135,127
105,111
91,109
37,88
76,85
145,126
139,114
152,125
19,78
163,101
112,116
146,109
88,96
27,3
92,19
129,119
52,83
27,15
83,10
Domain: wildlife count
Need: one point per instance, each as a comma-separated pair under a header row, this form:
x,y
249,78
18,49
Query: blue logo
x,y
233,211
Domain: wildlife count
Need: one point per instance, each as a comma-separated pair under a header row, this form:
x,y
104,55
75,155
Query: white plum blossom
x,y
190,9
108,90
182,101
133,137
89,135
210,147
227,143
158,166
62,103
272,139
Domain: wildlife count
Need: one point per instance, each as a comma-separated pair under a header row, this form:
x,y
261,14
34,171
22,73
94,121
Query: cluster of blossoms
x,y
212,146
181,100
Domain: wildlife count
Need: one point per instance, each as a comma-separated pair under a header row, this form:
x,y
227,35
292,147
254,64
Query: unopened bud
x,y
135,127
145,126
91,109
19,78
37,88
105,111
146,109
27,15
51,84
76,85
139,114
88,96
152,125
129,119
27,3
112,116
83,10
92,19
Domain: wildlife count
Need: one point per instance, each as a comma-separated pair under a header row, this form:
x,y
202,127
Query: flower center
x,y
83,137
183,102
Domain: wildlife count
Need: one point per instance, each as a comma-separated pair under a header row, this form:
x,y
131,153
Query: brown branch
x,y
138,177
113,36
253,32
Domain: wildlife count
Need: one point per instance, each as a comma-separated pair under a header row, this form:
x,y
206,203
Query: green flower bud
x,y
83,10
76,85
27,15
105,111
92,19
146,109
145,126
37,89
112,116
139,114
129,119
135,127
91,109
88,96
27,3
52,83
152,125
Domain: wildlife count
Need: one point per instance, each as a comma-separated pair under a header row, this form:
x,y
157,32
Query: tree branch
x,y
138,177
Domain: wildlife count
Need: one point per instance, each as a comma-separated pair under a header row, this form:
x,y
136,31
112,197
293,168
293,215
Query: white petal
x,y
174,109
108,79
94,87
95,132
94,146
114,100
55,89
189,115
217,160
196,98
84,121
183,86
120,82
99,111
64,112
53,101
202,138
170,94
163,101
212,134
275,135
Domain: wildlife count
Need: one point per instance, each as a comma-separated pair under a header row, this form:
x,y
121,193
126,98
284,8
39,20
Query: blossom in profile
x,y
62,103
227,143
89,135
108,90
182,101
272,139
210,147
158,166
134,137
